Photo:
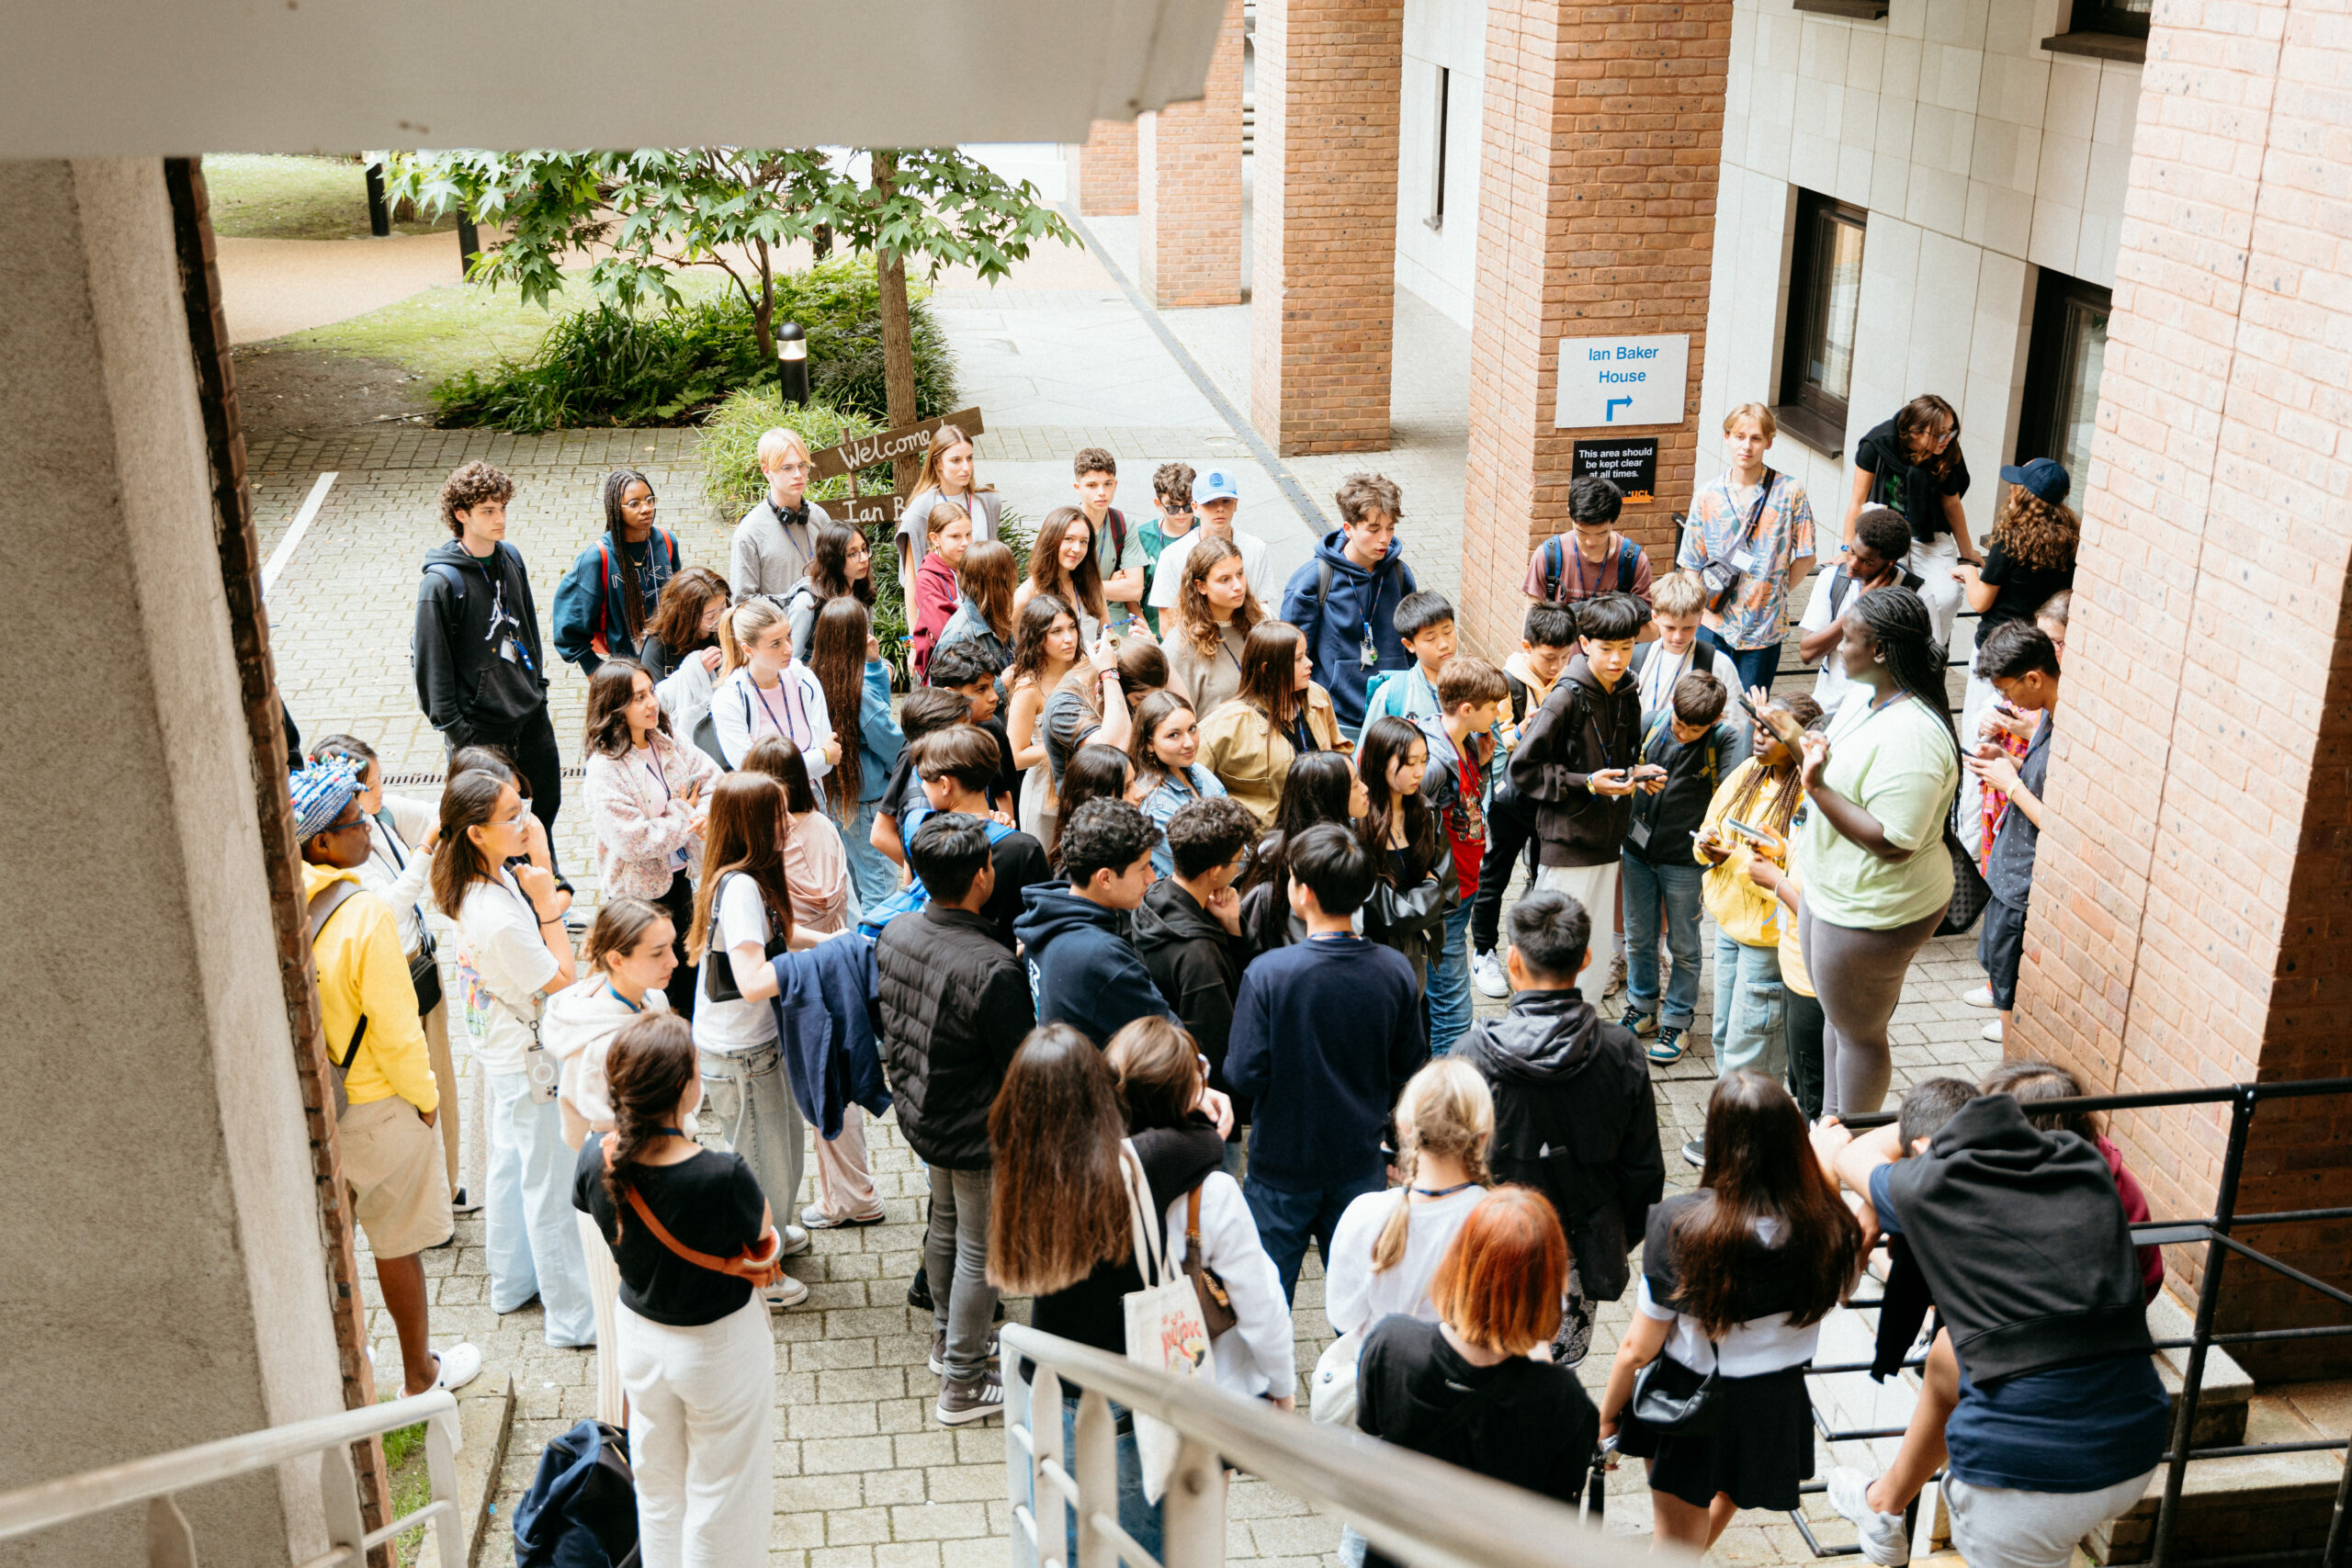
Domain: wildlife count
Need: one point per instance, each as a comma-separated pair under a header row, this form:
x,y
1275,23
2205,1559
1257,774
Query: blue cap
x,y
2044,477
1215,485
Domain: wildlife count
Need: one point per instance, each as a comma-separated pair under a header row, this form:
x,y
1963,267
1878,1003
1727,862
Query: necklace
x,y
1444,1192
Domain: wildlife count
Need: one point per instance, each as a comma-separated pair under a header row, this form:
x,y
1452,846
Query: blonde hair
x,y
1757,411
744,625
775,442
1451,1113
1678,594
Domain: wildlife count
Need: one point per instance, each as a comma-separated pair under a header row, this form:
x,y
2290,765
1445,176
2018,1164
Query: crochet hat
x,y
321,792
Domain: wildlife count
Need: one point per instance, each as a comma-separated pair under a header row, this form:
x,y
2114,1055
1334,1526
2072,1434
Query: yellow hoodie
x,y
361,969
1747,914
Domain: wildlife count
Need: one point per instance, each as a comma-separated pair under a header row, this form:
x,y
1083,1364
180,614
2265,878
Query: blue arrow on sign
x,y
1609,410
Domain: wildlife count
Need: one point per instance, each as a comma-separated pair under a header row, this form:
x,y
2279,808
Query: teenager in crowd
x,y
1425,626
1874,559
905,803
1409,906
1096,700
777,538
697,1356
1345,601
1879,790
536,849
947,477
480,676
1073,934
1698,750
2029,556
681,647
956,768
1679,601
1912,463
1464,1389
645,795
816,860
2032,1083
983,617
1280,715
975,675
1062,566
1188,930
1547,641
768,691
1736,1280
1118,549
607,599
1165,749
936,591
627,961
955,1006
2010,731
1096,771
841,566
1575,1117
1046,647
1471,694
847,662
1592,559
1171,498
1759,524
1209,625
515,953
1215,499
1388,1244
1322,787
2022,663
384,1078
1806,1023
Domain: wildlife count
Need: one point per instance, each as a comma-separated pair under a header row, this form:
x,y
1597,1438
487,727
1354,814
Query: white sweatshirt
x,y
578,1031
1257,1355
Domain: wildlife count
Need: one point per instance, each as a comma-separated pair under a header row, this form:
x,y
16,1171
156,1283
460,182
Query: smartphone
x,y
1738,828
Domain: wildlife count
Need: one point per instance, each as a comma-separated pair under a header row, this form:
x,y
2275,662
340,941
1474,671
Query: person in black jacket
x,y
1188,932
954,1007
480,676
1575,1115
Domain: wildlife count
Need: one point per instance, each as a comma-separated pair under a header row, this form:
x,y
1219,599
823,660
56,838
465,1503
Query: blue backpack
x,y
581,1509
914,894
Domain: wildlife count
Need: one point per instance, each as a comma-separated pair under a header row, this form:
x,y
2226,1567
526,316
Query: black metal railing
x,y
2219,1247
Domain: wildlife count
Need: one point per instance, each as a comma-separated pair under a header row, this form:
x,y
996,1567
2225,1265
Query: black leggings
x,y
1510,827
684,984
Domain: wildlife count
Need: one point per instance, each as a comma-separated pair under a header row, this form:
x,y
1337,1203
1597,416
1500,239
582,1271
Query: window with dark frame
x,y
2064,355
1824,299
2124,18
1436,217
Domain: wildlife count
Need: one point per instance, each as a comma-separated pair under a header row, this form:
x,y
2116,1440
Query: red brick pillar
x,y
1323,286
1187,187
2190,921
1107,170
1595,212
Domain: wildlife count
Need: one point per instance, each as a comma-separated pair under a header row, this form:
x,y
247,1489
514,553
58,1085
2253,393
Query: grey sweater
x,y
766,559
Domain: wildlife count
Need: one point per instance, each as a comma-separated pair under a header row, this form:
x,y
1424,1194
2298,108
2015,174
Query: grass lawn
x,y
265,198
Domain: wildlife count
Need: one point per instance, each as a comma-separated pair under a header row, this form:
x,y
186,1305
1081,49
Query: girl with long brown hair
x,y
1736,1280
841,564
1215,614
1399,831
1062,563
1045,649
680,648
948,475
1166,750
1912,463
984,614
1278,714
848,663
644,794
695,1352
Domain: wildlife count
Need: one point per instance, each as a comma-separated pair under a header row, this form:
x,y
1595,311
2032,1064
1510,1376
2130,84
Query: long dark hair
x,y
987,577
1082,586
1896,619
1315,792
616,485
837,658
650,1061
1095,771
782,761
610,691
466,801
745,833
1388,742
1150,714
1269,671
677,617
1058,1203
1781,776
1760,1166
1195,618
1029,632
828,565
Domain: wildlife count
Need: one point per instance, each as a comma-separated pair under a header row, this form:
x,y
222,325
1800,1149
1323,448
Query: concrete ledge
x,y
486,1420
2227,1388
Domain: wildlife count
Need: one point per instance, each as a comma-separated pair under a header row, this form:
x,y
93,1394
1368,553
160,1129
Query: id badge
x,y
508,651
1638,835
1371,655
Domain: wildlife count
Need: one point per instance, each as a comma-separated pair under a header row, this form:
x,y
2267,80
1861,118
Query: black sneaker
x,y
919,1293
961,1402
461,1204
1695,1152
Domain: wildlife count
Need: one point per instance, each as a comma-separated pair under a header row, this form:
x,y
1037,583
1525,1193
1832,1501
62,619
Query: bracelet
x,y
1111,674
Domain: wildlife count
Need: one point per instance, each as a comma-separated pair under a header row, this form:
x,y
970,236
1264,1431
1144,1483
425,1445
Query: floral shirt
x,y
1757,614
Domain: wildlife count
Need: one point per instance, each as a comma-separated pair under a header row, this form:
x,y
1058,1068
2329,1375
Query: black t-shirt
x,y
2023,588
1020,862
1908,488
711,1202
1007,788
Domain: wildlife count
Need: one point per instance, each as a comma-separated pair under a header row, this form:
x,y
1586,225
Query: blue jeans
x,y
1138,1516
871,875
1287,1220
1756,666
748,1109
1676,888
1448,998
1751,1009
530,1238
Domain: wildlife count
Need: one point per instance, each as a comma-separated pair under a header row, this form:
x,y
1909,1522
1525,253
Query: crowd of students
x,y
1171,910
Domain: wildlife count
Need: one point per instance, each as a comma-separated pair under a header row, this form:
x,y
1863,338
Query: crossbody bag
x,y
1719,577
759,1265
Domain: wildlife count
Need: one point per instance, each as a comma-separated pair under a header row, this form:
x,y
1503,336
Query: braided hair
x,y
1897,621
650,1061
616,485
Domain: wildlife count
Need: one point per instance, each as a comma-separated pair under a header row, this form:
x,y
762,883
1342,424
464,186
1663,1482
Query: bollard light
x,y
792,362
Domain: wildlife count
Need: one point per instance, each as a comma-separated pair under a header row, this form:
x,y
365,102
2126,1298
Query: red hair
x,y
1502,1280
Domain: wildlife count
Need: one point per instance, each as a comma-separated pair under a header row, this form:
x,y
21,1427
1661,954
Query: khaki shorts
x,y
399,1191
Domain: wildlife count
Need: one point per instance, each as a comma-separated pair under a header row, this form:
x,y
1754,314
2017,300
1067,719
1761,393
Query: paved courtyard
x,y
865,1479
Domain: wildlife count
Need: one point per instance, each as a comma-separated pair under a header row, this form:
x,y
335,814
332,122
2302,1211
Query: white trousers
x,y
701,1435
1938,588
1595,887
1994,1528
605,1295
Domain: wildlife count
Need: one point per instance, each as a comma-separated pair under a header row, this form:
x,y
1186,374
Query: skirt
x,y
1760,1450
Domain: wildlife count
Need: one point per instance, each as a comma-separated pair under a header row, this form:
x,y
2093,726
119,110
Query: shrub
x,y
605,366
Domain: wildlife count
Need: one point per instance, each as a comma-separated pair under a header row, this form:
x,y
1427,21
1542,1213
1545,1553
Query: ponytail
x,y
652,1062
1451,1113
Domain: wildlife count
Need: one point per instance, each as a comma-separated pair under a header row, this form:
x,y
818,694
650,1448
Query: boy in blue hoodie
x,y
1325,1033
1345,599
1424,623
1083,971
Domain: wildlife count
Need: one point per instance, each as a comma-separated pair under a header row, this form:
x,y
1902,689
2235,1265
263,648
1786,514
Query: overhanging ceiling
x,y
132,78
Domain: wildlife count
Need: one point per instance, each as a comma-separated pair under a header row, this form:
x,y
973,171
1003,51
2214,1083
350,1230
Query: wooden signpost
x,y
907,441
864,511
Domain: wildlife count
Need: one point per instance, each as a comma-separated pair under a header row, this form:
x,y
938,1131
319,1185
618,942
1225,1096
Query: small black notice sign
x,y
1631,466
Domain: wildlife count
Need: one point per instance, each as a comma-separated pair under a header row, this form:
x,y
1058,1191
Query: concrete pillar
x,y
1107,170
1188,172
1603,130
2191,912
1323,293
164,1279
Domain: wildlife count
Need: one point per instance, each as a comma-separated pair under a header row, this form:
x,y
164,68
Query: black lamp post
x,y
792,362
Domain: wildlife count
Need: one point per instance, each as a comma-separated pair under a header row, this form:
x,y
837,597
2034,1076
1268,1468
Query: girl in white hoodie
x,y
768,691
630,957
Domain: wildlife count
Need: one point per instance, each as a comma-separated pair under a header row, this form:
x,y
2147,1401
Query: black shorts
x,y
1999,947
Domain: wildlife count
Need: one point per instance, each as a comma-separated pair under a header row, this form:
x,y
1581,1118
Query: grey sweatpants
x,y
1858,975
1995,1528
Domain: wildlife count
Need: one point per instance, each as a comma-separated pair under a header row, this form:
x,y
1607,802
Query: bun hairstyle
x,y
620,925
651,1066
1451,1113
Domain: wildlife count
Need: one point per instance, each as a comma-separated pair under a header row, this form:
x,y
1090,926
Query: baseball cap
x,y
2044,477
1215,485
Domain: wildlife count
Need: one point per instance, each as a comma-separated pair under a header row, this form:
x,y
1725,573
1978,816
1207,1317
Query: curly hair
x,y
2035,532
469,488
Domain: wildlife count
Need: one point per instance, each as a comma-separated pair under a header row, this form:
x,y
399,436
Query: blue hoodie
x,y
1082,969
1335,624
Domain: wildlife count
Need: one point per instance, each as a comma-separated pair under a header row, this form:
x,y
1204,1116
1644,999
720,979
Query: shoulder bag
x,y
1719,577
717,975
1217,1301
761,1262
1969,892
1672,1411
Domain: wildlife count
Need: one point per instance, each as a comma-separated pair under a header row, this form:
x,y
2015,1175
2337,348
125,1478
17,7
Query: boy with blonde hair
x,y
776,539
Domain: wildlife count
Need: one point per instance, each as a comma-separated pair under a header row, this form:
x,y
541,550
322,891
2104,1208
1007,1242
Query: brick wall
x,y
1107,170
1597,197
1187,187
2193,896
1323,288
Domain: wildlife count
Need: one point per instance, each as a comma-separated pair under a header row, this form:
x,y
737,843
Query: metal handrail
x,y
1385,1492
155,1479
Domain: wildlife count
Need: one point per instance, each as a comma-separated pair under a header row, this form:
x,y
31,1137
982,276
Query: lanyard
x,y
657,777
1444,1192
633,1006
789,706
1575,554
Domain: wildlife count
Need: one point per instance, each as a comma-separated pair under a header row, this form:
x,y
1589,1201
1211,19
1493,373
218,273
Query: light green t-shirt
x,y
1897,765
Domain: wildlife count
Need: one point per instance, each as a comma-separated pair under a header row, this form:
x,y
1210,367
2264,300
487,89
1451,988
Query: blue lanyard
x,y
633,1006
781,727
663,781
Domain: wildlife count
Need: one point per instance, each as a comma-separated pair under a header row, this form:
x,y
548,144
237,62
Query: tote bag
x,y
1165,1329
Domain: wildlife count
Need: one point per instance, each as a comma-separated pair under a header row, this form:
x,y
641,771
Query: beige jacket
x,y
1251,758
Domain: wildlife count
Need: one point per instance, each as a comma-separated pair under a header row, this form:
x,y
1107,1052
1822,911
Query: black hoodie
x,y
1582,728
1576,1119
1175,1160
1196,966
467,611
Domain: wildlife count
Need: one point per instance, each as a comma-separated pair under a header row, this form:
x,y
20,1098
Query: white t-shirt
x,y
737,916
502,967
1829,688
1354,1296
1169,576
1752,1348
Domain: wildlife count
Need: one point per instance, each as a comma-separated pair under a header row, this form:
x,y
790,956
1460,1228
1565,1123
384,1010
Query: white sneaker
x,y
1993,1031
785,1292
1486,973
796,1241
1982,996
1616,977
460,1364
816,1219
1882,1537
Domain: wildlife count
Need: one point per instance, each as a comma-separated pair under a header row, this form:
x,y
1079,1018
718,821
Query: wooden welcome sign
x,y
907,441
865,511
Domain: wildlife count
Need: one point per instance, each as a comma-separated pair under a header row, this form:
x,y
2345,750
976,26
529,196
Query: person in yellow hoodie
x,y
1748,818
387,1094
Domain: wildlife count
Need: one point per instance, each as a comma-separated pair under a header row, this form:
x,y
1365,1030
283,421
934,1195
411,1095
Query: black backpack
x,y
581,1509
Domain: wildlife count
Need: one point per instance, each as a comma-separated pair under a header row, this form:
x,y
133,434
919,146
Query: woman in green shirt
x,y
1879,790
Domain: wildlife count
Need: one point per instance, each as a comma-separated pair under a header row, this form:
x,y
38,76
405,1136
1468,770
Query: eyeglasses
x,y
789,469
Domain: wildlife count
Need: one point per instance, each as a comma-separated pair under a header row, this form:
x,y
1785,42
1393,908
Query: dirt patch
x,y
288,391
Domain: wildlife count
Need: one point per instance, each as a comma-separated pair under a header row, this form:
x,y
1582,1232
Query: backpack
x,y
1555,566
604,577
581,1509
914,894
321,907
